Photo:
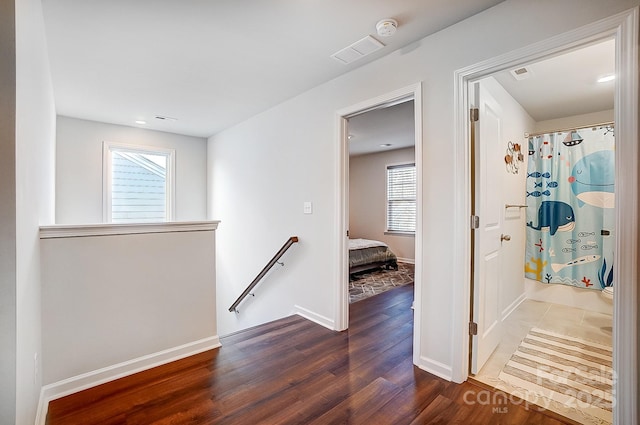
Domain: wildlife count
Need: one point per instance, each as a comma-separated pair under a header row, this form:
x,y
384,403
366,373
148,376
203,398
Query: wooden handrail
x,y
274,260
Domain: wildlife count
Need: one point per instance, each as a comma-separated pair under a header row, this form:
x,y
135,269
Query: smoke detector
x,y
387,27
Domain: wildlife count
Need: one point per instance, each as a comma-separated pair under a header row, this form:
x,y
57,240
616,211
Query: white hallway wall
x,y
262,170
368,199
34,201
79,168
107,300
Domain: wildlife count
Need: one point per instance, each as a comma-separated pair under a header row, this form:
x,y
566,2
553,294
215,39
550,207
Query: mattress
x,y
363,252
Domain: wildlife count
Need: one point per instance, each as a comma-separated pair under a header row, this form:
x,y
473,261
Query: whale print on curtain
x,y
570,217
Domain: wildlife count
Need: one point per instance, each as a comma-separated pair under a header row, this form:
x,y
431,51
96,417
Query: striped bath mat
x,y
570,371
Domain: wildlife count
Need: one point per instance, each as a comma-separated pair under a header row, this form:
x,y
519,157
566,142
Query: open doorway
x,y
543,332
623,28
382,199
401,102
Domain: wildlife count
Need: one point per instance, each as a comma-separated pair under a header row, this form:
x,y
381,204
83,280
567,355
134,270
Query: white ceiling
x,y
213,63
394,125
566,85
558,87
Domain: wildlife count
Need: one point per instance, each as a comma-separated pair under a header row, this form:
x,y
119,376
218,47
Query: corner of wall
x,y
314,317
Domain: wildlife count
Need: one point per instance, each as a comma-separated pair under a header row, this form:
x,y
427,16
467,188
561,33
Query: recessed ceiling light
x,y
385,145
606,78
141,122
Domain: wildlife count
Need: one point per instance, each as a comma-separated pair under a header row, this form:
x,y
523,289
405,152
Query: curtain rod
x,y
564,130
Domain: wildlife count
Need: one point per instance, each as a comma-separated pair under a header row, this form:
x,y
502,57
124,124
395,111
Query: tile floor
x,y
596,327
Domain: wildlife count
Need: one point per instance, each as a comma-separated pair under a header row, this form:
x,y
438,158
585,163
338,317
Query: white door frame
x,y
414,91
624,28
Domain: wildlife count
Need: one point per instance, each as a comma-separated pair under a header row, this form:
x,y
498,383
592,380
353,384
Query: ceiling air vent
x,y
521,73
358,50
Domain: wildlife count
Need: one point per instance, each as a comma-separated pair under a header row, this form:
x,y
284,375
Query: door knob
x,y
505,238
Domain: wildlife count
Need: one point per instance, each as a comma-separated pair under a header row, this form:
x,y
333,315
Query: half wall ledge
x,y
111,229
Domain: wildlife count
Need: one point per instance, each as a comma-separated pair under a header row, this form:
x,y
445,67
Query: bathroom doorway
x,y
528,329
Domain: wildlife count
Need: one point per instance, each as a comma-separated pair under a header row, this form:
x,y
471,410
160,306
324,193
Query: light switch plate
x,y
308,207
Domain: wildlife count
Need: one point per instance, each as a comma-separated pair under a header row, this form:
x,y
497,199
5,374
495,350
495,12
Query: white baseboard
x,y
436,368
406,260
507,311
314,317
110,373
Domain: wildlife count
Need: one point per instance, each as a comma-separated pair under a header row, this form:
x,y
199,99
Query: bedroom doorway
x,y
382,199
376,147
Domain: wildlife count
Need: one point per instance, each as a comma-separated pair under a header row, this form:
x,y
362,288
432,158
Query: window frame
x,y
389,231
107,170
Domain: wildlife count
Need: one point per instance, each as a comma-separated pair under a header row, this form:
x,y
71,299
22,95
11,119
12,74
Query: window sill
x,y
109,229
392,233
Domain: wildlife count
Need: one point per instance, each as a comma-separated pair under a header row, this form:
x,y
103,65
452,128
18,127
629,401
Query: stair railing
x,y
270,264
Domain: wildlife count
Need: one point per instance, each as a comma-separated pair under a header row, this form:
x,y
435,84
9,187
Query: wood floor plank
x,y
359,407
325,389
408,404
293,371
440,410
149,377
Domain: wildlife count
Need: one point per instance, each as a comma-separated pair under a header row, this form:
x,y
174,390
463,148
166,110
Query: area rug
x,y
367,284
571,372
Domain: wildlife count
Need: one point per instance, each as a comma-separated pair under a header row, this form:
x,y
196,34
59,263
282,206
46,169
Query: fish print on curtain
x,y
570,200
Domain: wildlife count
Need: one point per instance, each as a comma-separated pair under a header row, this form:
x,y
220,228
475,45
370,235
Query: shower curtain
x,y
570,215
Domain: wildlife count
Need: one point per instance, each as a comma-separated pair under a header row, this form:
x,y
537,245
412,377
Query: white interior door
x,y
488,206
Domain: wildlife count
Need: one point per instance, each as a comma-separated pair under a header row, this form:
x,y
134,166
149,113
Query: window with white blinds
x,y
401,198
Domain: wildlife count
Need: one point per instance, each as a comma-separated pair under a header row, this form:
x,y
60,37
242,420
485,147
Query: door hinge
x,y
473,328
347,233
475,114
475,222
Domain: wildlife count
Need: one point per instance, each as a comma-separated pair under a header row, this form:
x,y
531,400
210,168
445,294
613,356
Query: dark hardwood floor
x,y
293,371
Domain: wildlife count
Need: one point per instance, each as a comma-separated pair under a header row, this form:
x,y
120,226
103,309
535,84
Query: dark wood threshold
x,y
293,371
